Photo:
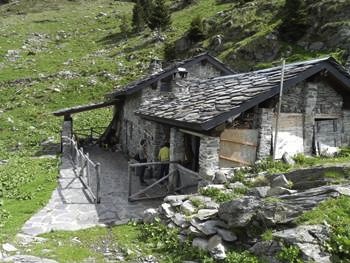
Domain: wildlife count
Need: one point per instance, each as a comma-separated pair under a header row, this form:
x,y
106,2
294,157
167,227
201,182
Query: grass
x,y
333,211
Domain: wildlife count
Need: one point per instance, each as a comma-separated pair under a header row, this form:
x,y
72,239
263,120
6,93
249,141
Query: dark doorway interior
x,y
192,144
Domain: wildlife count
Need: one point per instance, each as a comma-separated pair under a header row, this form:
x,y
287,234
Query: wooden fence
x,y
175,181
87,171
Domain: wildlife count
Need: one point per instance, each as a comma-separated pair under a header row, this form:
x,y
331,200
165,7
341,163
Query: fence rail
x,y
87,171
172,185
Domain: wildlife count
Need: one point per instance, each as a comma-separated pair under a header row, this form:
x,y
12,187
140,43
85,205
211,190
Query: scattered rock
x,y
24,239
239,212
180,220
220,178
204,214
216,248
209,227
260,191
280,181
175,200
187,207
149,215
309,238
215,186
288,159
236,185
329,151
226,235
200,243
7,247
266,250
166,208
279,191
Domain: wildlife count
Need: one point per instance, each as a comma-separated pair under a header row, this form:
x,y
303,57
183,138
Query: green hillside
x,y
61,53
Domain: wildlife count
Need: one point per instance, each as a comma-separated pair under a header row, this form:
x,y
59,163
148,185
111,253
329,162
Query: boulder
x,y
187,207
7,247
226,235
212,205
260,191
236,185
288,159
201,199
216,248
209,227
309,238
201,243
239,212
180,220
167,210
280,181
149,215
204,214
279,191
175,200
193,231
266,250
220,178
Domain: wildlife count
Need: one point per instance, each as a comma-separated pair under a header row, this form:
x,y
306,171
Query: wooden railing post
x,y
88,170
98,170
130,180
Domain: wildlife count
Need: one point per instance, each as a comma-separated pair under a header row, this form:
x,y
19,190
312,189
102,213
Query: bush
x,y
344,152
220,196
271,166
339,244
196,31
243,257
290,254
169,51
303,160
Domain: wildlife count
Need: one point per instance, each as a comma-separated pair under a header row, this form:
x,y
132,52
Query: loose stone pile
x,y
214,226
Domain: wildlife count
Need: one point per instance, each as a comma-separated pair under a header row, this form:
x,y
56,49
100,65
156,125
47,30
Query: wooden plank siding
x,y
238,147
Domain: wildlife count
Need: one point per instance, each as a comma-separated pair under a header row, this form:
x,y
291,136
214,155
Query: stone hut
x,y
229,121
128,129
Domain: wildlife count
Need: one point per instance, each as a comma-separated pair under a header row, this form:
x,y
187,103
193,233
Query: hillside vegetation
x,y
61,53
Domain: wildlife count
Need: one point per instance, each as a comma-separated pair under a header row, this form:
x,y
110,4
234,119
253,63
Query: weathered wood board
x,y
290,136
238,147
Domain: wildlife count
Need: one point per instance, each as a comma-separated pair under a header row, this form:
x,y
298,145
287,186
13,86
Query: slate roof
x,y
209,103
148,80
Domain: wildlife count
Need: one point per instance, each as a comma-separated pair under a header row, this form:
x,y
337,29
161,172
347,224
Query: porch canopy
x,y
81,108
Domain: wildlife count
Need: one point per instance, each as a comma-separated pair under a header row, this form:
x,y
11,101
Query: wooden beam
x,y
234,160
242,143
82,108
192,133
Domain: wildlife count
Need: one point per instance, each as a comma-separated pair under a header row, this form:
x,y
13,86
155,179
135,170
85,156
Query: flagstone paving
x,y
70,207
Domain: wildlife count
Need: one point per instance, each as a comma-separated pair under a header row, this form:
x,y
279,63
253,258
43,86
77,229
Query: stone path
x,y
69,207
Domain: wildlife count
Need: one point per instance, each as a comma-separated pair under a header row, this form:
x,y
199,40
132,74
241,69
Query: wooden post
x,y
278,110
98,171
87,170
130,180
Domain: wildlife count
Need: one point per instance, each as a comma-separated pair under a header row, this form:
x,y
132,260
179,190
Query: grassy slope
x,y
76,40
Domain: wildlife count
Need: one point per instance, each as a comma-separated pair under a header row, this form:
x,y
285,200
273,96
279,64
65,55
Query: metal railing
x,y
87,171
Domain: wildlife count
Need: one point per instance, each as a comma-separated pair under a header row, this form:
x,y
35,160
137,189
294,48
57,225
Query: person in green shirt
x,y
164,156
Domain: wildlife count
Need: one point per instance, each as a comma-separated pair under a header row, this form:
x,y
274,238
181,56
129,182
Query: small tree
x,y
160,16
196,31
138,20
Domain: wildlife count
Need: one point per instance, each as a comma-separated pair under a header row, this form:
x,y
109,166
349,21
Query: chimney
x,y
155,66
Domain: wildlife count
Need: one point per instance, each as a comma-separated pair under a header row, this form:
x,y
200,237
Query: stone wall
x,y
346,128
133,129
265,133
325,99
203,70
209,156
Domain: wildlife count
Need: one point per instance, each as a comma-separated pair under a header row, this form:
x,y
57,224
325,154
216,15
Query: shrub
x,y
267,235
169,51
290,254
220,196
344,152
243,257
339,243
270,166
196,31
303,160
